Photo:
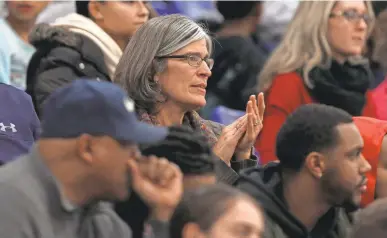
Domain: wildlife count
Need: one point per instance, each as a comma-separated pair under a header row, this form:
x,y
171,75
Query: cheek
x,y
176,87
338,36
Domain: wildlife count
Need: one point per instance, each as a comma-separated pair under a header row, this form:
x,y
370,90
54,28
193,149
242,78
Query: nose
x,y
365,166
204,70
142,9
361,24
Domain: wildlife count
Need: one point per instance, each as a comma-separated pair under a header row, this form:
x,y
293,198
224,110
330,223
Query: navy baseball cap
x,y
98,109
19,124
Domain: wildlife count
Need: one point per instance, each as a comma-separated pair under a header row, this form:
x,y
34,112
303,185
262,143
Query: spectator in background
x,y
55,10
318,62
190,152
15,49
276,16
371,221
377,52
88,43
217,211
321,171
87,154
237,58
19,124
165,69
374,134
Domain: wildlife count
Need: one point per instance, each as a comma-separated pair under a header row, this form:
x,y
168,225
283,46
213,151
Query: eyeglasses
x,y
352,16
193,60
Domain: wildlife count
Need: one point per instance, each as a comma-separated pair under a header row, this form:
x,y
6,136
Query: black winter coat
x,y
61,56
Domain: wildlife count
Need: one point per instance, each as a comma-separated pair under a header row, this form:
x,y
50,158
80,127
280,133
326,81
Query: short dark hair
x,y
233,10
185,147
82,8
204,206
310,128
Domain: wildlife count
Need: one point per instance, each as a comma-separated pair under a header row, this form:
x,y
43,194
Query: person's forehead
x,y
199,47
353,5
349,136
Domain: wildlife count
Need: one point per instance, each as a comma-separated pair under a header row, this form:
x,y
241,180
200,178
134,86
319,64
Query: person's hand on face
x,y
255,109
228,140
159,183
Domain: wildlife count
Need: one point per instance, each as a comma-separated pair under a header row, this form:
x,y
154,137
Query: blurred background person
x,y
217,211
88,43
371,221
237,58
275,19
318,62
56,9
15,49
377,52
19,124
165,69
187,149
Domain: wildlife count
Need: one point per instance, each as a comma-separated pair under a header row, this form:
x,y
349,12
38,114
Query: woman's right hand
x,y
228,140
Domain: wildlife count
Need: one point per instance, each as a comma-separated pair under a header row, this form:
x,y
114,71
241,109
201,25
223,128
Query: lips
x,y
24,7
363,185
202,85
358,38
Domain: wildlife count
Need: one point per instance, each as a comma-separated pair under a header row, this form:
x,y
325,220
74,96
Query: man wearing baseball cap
x,y
87,154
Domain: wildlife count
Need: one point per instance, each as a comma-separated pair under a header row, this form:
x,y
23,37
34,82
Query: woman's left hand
x,y
254,109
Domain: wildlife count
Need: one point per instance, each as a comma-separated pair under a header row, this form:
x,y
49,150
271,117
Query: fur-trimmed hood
x,y
45,34
67,31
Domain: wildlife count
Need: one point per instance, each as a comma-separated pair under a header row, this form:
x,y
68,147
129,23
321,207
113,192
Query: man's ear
x,y
95,10
315,163
84,148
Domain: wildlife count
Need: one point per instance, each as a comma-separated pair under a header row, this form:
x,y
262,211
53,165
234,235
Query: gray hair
x,y
160,36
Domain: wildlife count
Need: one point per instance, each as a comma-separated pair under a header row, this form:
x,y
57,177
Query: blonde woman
x,y
320,60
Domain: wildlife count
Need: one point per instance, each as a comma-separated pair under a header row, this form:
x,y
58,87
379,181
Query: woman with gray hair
x,y
165,68
318,62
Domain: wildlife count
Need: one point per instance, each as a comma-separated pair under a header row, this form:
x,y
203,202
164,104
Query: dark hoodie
x,y
265,185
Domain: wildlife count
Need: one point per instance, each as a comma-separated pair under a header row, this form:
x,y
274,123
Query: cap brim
x,y
144,133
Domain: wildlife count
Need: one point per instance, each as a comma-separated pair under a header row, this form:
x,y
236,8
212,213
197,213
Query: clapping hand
x,y
228,140
255,109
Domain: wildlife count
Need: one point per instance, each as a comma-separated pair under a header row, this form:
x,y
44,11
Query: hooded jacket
x,y
72,47
265,185
372,132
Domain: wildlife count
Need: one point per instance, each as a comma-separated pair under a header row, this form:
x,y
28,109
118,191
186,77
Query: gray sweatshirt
x,y
31,206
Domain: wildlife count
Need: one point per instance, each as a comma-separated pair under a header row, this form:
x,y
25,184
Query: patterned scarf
x,y
211,130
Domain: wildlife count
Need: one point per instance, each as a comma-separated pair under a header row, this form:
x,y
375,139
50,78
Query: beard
x,y
336,194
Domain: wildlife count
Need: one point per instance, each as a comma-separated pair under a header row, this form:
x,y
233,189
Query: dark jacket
x,y
61,56
234,75
264,184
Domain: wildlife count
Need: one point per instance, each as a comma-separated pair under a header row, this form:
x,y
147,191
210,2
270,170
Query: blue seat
x,y
196,10
225,116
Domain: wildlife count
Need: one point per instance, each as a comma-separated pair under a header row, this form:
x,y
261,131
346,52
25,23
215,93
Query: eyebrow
x,y
358,148
196,53
354,9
